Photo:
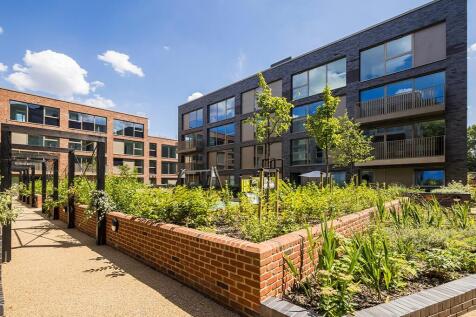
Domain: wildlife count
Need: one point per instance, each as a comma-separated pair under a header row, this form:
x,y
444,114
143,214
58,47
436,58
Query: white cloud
x,y
239,66
50,72
3,68
100,102
165,47
194,96
120,63
472,48
1,30
96,84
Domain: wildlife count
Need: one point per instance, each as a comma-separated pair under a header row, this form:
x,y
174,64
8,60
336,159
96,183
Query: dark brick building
x,y
404,79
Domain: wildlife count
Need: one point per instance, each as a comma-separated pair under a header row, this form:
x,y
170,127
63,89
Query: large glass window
x,y
193,119
153,149
426,88
126,128
223,160
300,115
128,147
81,145
88,122
169,168
305,152
27,112
313,81
224,134
39,140
424,129
221,110
388,58
430,178
169,151
152,167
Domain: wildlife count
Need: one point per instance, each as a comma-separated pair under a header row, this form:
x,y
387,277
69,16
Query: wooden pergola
x,y
11,162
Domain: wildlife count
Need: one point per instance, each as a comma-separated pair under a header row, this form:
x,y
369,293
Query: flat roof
x,y
72,102
285,61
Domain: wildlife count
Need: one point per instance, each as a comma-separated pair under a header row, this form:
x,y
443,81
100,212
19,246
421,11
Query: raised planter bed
x,y
445,199
237,273
451,299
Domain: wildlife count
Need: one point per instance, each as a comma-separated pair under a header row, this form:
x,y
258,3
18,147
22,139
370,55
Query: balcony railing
x,y
192,166
409,148
190,146
402,102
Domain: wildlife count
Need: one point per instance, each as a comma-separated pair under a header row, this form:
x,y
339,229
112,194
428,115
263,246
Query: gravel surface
x,y
61,272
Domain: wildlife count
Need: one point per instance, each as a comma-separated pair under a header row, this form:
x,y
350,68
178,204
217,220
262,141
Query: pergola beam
x,y
52,133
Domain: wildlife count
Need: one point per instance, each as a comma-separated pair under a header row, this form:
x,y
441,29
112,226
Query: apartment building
x,y
128,142
404,80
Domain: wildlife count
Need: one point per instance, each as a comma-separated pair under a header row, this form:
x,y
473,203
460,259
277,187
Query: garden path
x,y
62,272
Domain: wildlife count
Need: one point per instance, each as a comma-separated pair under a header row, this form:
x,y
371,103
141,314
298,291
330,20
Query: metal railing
x,y
192,145
402,102
409,148
192,166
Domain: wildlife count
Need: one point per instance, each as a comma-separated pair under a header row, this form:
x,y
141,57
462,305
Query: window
x,y
430,178
152,167
169,168
425,88
300,115
87,122
192,119
128,147
305,152
423,129
221,110
169,151
133,165
153,149
27,112
84,164
313,81
248,98
388,58
223,160
81,145
224,134
126,128
39,140
193,140
252,156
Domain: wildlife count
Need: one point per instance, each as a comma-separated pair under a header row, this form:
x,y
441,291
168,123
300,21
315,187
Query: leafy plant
x,y
460,215
7,212
100,204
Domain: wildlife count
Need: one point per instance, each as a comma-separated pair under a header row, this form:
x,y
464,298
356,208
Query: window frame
x,y
230,104
81,121
307,71
137,128
27,112
226,136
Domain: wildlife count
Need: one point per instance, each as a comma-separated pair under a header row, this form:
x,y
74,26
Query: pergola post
x,y
100,185
43,185
27,178
55,188
71,185
33,195
6,184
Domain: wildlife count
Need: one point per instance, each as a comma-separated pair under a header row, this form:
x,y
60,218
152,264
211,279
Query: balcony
x,y
411,104
190,146
409,151
192,166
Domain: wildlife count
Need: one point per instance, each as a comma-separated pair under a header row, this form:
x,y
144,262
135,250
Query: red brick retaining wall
x,y
82,222
63,216
236,273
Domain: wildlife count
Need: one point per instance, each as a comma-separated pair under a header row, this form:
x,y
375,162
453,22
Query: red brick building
x,y
128,142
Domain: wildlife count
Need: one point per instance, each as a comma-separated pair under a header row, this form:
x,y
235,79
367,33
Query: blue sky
x,y
147,57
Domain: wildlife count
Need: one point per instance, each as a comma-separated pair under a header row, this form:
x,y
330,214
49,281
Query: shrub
x,y
453,188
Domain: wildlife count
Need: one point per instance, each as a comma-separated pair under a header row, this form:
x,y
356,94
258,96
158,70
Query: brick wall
x,y
82,222
236,273
63,215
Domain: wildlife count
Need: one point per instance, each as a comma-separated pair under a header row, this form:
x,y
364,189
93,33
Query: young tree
x,y
272,117
354,146
472,148
323,126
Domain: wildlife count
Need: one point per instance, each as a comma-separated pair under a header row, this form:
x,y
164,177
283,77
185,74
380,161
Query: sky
x,y
148,57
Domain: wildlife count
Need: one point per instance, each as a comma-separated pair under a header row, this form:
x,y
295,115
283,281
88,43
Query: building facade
x,y
128,142
404,80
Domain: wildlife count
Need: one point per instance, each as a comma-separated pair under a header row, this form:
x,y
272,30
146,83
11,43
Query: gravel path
x,y
61,272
